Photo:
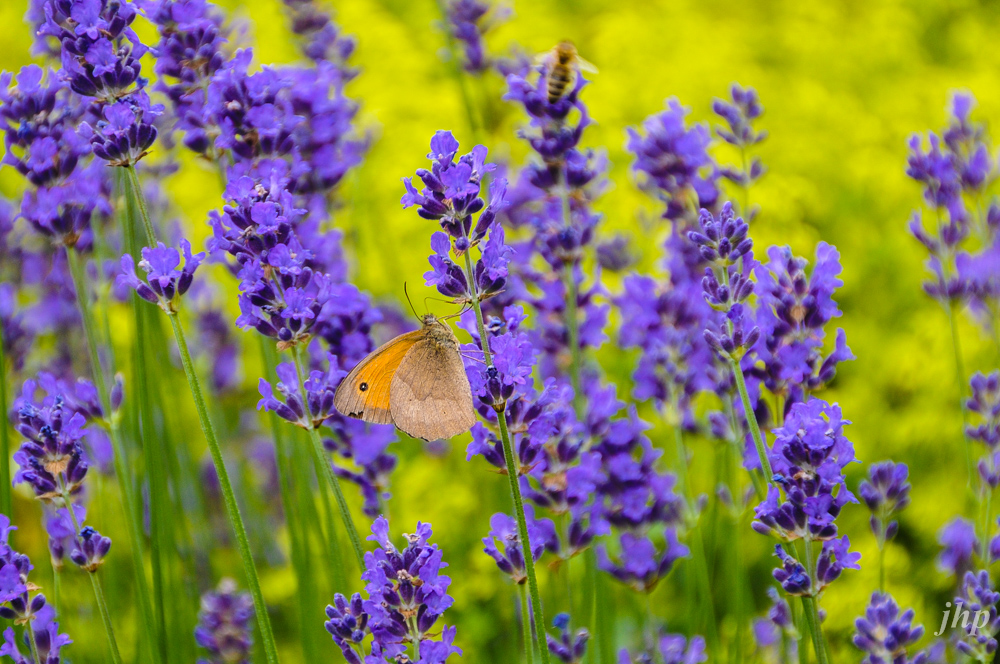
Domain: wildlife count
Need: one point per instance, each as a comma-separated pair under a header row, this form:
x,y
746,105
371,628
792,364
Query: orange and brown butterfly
x,y
416,381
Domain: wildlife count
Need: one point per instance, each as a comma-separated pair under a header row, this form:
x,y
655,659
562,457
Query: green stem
x,y
33,644
758,440
512,478
102,604
6,504
459,75
140,199
232,508
811,606
881,566
529,648
324,470
698,554
960,378
124,481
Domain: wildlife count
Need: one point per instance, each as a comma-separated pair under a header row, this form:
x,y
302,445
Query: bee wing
x,y
586,66
543,58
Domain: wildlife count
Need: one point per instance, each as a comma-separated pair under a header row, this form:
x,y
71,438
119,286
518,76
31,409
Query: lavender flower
x,y
126,132
672,160
100,51
17,603
958,539
886,493
40,118
407,594
51,459
794,310
468,22
808,456
985,402
190,52
165,283
91,548
671,649
568,648
313,408
724,244
322,41
978,596
740,111
224,628
885,635
510,560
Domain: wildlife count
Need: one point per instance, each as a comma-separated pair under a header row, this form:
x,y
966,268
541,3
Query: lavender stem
x,y
127,495
325,472
512,477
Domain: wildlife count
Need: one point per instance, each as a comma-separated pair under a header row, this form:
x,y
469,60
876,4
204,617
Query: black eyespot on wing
x,y
363,387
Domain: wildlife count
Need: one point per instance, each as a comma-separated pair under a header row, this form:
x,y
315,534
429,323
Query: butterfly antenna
x,y
408,301
455,315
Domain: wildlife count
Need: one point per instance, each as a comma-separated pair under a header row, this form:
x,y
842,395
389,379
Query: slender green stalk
x,y
6,504
140,199
457,73
529,648
881,567
811,606
305,577
232,508
960,378
102,604
324,471
512,478
699,557
758,439
158,492
33,644
128,500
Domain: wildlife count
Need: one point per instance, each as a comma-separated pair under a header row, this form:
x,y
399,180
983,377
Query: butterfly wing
x,y
430,397
364,393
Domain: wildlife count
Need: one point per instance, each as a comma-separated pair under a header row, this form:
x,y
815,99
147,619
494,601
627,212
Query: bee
x,y
564,64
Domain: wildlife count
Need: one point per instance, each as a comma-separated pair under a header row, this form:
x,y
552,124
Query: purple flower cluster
x,y
100,51
808,456
322,41
740,112
190,52
509,555
125,133
725,246
165,283
40,116
954,170
20,602
793,310
670,649
979,598
639,502
568,648
224,625
886,493
673,163
776,634
468,22
551,202
985,403
407,595
310,410
884,634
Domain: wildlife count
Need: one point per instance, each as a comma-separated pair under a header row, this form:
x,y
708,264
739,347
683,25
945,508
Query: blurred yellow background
x,y
844,85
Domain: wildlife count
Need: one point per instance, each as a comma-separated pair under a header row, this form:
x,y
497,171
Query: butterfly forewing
x,y
364,393
430,393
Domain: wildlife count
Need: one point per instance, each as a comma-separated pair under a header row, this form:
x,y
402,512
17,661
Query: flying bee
x,y
564,65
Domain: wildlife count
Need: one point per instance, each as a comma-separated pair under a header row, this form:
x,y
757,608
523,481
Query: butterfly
x,y
416,381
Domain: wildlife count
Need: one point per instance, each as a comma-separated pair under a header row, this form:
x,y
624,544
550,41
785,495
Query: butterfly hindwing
x,y
364,393
430,393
